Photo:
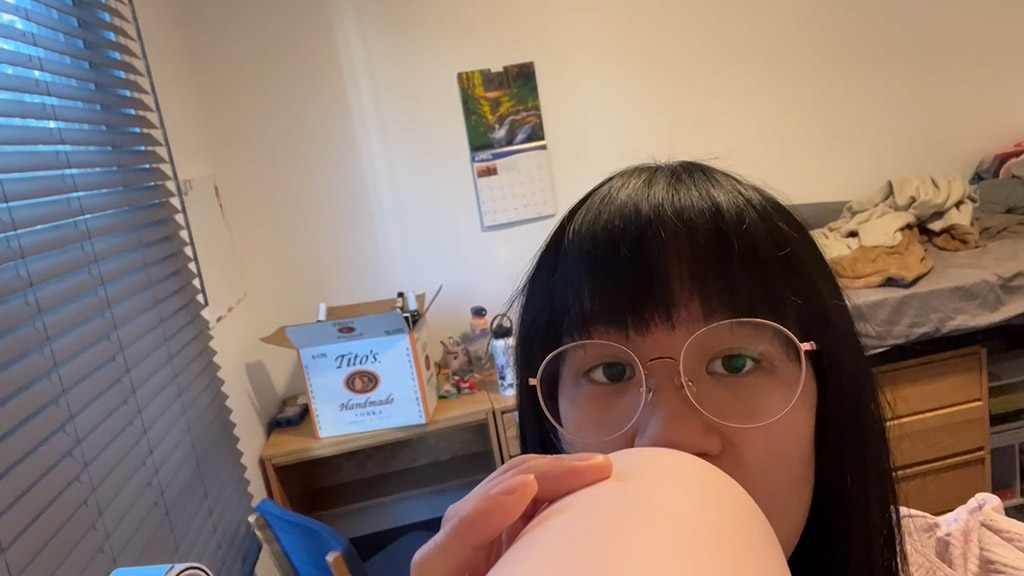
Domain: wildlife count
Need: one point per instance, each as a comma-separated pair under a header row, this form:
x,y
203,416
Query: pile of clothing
x,y
1002,165
999,179
879,240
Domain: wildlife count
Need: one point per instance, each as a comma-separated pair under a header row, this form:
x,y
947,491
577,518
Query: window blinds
x,y
116,446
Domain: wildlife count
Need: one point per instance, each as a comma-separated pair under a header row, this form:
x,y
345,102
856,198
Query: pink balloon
x,y
663,512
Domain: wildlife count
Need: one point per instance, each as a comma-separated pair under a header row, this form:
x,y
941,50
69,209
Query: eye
x,y
733,364
611,373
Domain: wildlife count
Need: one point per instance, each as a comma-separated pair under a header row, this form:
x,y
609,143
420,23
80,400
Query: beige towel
x,y
936,203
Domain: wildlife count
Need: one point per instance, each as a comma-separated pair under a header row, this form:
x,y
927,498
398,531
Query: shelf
x,y
397,510
1007,427
410,453
1006,368
1010,435
389,500
398,484
1006,381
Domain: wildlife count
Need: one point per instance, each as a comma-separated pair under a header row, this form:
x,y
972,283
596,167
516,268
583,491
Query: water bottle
x,y
503,345
478,340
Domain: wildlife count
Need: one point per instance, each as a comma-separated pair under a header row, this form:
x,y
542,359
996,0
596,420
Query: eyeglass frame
x,y
647,392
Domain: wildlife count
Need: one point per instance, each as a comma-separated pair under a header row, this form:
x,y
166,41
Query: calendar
x,y
508,151
514,184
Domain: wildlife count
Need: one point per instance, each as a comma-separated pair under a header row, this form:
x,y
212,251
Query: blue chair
x,y
305,543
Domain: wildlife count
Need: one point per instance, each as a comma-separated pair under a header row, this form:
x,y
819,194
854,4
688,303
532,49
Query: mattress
x,y
964,292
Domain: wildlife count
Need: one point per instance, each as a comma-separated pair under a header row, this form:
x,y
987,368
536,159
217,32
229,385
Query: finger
x,y
465,541
560,475
530,462
509,467
498,476
556,476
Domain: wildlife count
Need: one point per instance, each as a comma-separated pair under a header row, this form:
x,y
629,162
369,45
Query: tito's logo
x,y
362,381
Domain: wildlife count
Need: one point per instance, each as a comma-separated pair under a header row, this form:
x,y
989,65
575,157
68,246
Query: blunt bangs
x,y
654,242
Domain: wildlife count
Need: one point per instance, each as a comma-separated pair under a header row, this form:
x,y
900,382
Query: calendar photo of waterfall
x,y
501,108
508,154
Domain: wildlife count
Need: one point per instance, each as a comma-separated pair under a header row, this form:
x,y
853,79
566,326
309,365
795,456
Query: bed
x,y
965,291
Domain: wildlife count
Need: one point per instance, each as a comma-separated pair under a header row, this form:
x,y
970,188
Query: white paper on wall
x,y
214,248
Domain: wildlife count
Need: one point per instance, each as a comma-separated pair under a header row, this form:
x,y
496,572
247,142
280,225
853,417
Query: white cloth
x,y
976,539
937,203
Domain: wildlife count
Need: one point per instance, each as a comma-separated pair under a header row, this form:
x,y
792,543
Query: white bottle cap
x,y
321,312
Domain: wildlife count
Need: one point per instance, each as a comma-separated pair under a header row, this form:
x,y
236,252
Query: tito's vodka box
x,y
365,368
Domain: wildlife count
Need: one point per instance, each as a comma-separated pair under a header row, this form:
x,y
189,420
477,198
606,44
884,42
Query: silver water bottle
x,y
503,345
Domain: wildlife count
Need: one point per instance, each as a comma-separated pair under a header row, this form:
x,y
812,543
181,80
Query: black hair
x,y
648,240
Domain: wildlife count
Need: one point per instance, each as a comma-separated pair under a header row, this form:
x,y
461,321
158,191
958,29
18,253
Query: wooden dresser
x,y
937,420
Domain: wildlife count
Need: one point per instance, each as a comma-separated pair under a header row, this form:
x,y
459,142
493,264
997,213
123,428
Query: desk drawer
x,y
931,385
939,434
942,486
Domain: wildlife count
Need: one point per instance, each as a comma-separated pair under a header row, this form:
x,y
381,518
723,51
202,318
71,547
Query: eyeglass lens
x,y
739,372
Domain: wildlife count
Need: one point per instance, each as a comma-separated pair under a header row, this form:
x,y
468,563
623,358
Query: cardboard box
x,y
365,369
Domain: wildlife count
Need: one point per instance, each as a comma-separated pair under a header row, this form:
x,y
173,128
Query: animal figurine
x,y
460,368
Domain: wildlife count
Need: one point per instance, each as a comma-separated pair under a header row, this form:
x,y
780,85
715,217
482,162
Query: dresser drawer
x,y
942,486
939,434
930,384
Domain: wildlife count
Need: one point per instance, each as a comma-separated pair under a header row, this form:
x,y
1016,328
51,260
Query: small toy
x,y
293,410
465,385
460,366
448,389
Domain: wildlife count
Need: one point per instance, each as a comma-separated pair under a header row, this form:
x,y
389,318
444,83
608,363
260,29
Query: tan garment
x,y
871,266
935,203
955,238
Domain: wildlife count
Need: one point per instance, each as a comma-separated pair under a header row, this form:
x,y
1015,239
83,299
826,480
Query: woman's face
x,y
774,462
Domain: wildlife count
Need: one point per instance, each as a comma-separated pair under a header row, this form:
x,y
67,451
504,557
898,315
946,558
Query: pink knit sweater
x,y
976,539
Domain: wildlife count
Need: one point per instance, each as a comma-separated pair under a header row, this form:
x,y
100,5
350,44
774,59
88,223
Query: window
x,y
116,446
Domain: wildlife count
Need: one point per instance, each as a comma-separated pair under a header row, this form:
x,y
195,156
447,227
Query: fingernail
x,y
512,485
586,457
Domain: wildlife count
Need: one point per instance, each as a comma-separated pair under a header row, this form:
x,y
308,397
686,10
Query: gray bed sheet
x,y
965,291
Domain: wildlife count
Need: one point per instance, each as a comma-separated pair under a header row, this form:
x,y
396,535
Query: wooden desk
x,y
506,421
363,483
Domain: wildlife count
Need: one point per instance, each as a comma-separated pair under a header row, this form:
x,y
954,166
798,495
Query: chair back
x,y
336,562
270,544
305,542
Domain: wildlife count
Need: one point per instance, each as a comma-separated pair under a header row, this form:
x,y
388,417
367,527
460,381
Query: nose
x,y
670,419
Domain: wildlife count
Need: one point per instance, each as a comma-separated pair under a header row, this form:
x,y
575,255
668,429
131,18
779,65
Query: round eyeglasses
x,y
743,373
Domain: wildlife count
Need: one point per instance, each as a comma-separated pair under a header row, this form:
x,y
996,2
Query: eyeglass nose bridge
x,y
679,381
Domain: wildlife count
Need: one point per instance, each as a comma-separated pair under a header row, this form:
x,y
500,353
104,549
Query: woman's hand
x,y
476,530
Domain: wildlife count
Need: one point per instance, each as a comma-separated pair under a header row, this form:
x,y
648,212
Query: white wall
x,y
251,400
334,127
819,100
271,105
